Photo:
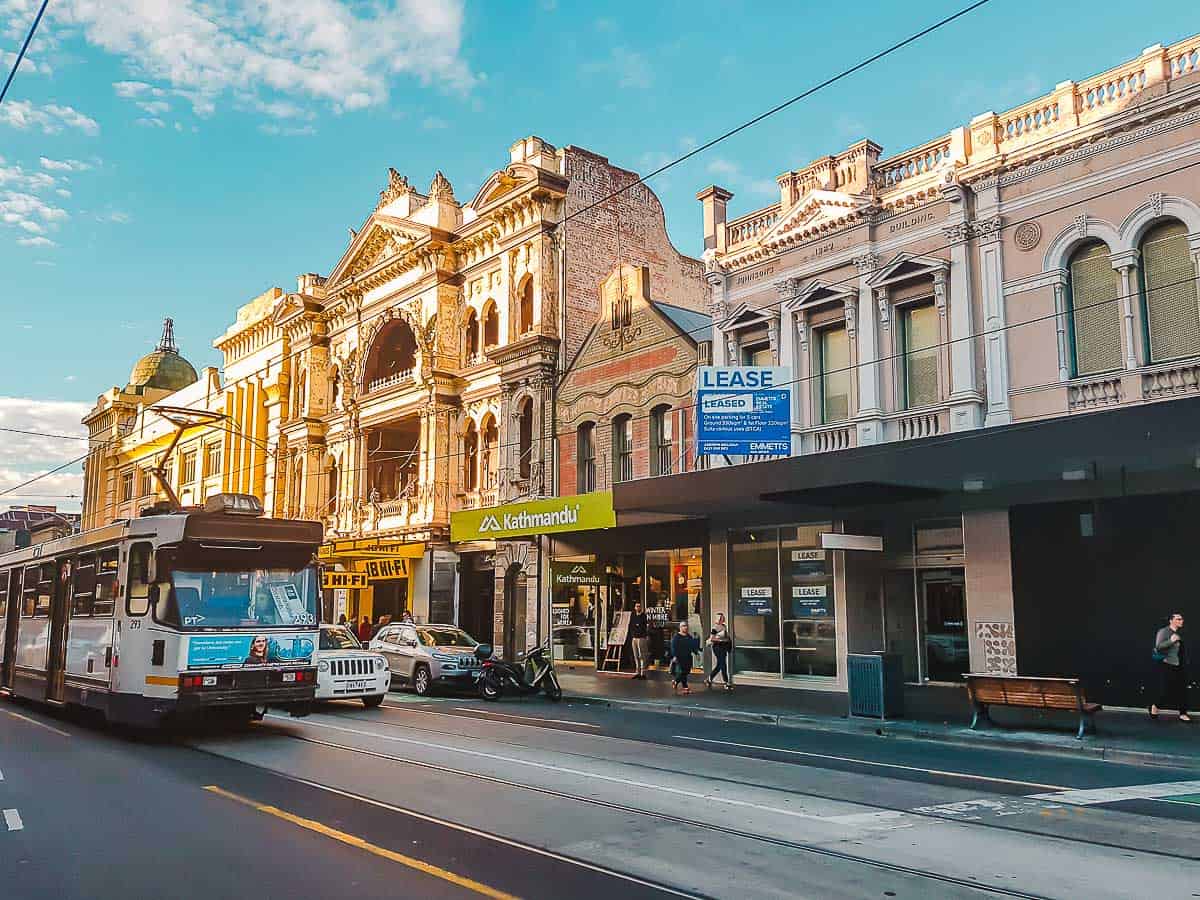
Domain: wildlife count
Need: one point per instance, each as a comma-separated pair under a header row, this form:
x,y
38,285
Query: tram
x,y
166,616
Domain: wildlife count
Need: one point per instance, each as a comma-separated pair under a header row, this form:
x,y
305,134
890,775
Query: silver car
x,y
428,655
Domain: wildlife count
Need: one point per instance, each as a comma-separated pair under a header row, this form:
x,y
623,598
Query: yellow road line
x,y
36,722
353,841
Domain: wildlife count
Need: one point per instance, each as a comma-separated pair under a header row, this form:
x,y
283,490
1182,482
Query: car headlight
x,y
380,664
323,665
445,657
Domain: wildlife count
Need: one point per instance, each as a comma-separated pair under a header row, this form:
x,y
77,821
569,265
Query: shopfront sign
x,y
810,600
582,512
756,601
574,574
743,410
833,541
383,569
343,580
370,548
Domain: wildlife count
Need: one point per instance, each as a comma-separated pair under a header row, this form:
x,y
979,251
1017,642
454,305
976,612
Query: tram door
x,y
60,614
10,625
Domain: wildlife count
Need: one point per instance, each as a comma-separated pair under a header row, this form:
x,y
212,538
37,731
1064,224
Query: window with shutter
x,y
919,338
1169,302
833,374
1095,313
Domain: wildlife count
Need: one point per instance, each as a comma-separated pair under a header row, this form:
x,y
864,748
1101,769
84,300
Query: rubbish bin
x,y
876,684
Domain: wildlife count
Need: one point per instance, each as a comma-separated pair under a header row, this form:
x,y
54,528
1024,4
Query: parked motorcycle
x,y
527,675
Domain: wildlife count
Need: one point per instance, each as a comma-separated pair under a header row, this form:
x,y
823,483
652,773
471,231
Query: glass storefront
x,y
783,601
589,593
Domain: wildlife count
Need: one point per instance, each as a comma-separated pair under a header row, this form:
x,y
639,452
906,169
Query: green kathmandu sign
x,y
582,512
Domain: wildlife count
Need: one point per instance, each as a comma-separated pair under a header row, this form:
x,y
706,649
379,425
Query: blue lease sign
x,y
743,410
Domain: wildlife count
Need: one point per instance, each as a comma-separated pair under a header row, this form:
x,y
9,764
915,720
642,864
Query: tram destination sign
x,y
743,410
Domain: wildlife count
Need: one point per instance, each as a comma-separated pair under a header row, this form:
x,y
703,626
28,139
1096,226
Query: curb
x,y
889,729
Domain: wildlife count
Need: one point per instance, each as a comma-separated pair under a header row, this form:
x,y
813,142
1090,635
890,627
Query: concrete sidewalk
x,y
931,713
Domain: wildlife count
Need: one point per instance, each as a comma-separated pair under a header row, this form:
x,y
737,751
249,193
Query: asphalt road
x,y
455,798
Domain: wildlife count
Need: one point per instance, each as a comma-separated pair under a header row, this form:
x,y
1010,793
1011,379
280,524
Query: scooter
x,y
527,675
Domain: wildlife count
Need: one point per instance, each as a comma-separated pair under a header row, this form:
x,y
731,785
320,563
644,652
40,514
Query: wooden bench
x,y
1031,693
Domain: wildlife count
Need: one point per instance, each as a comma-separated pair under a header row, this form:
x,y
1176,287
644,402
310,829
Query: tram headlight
x,y
323,665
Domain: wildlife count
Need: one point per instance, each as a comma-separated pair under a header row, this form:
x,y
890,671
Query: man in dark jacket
x,y
640,636
683,645
1172,664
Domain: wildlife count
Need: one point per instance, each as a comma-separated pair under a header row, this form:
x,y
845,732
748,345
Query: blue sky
x,y
177,157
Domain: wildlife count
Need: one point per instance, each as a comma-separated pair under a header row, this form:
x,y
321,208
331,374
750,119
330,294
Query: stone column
x,y
868,325
995,321
1126,264
1060,328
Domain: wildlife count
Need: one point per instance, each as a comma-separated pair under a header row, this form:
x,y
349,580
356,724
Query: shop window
x,y
187,468
472,337
575,583
212,460
491,325
1170,315
833,374
126,486
919,356
622,444
471,458
662,445
525,439
585,465
783,601
1093,312
525,307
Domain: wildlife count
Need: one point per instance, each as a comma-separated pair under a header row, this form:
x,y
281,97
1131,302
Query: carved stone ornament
x,y
1027,236
1081,224
956,234
988,230
719,310
397,185
881,301
1156,202
802,333
787,288
440,188
712,265
868,262
850,313
939,293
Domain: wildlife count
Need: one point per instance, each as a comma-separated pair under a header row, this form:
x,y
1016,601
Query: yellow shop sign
x,y
582,512
370,548
343,580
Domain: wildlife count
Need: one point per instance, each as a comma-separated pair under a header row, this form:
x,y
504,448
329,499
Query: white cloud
x,y
63,192
15,177
31,215
285,130
29,66
50,119
71,378
731,172
151,122
38,241
344,54
629,68
23,456
154,107
433,123
115,216
63,165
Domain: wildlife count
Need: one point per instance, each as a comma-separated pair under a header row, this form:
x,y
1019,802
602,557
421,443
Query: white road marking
x,y
1,776
488,712
482,718
564,770
871,762
12,819
35,722
1131,792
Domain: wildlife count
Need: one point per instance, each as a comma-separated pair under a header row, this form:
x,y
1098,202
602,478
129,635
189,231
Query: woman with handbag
x,y
1171,658
683,645
721,644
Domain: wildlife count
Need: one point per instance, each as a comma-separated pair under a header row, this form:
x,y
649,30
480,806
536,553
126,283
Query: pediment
x,y
907,265
745,317
383,237
818,293
816,211
502,183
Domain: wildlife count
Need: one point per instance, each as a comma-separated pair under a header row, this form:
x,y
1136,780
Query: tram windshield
x,y
247,598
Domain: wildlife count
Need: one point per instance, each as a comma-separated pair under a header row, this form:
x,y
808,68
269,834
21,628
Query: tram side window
x,y
106,582
3,597
138,603
39,583
29,591
83,591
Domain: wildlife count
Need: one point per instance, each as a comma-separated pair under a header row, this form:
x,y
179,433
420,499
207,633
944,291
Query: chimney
x,y
713,201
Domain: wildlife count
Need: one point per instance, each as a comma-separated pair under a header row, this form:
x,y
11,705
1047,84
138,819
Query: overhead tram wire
x,y
890,446
25,46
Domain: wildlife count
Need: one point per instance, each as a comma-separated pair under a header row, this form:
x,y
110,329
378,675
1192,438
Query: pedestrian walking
x,y
364,630
342,619
683,645
641,640
721,643
1171,657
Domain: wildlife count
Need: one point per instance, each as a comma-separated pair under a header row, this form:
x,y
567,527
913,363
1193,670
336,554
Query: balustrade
x,y
390,381
1172,381
739,231
1093,394
1184,58
1030,122
832,439
1109,88
919,425
921,161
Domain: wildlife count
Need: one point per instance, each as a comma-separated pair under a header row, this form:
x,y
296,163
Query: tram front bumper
x,y
287,689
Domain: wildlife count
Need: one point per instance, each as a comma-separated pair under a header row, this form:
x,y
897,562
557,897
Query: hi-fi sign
x,y
343,580
379,569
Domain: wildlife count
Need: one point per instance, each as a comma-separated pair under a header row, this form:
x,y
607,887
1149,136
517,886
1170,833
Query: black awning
x,y
1146,448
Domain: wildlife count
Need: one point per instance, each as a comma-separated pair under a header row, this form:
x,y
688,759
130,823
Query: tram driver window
x,y
106,583
139,579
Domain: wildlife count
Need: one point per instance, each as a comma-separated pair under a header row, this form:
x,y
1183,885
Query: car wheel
x,y
422,682
372,702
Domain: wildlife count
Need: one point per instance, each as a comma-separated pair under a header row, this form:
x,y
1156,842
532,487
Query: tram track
x,y
880,807
625,809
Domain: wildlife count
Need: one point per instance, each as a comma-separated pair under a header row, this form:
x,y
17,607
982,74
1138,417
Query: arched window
x,y
472,327
1170,315
525,307
525,439
487,457
491,325
622,444
662,443
471,459
333,487
392,357
1093,311
585,457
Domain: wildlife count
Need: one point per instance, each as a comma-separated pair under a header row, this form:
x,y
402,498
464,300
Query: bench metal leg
x,y
1087,725
981,715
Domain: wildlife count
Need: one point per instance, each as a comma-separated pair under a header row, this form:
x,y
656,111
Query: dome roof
x,y
163,368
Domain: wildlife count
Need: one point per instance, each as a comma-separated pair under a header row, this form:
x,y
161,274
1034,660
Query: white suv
x,y
345,671
428,655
